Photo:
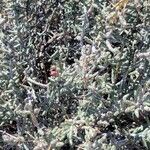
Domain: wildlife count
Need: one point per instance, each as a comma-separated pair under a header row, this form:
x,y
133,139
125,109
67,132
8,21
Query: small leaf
x,y
137,111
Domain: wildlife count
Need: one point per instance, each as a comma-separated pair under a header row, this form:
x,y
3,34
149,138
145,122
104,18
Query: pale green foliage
x,y
100,100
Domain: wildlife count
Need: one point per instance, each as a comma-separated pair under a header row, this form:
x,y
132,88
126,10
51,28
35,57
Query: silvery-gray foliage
x,y
74,74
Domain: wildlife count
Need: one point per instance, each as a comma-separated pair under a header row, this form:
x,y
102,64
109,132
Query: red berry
x,y
54,72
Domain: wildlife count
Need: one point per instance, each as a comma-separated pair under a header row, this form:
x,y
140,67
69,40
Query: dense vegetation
x,y
74,74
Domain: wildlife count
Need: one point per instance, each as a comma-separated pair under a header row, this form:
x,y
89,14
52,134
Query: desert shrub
x,y
74,74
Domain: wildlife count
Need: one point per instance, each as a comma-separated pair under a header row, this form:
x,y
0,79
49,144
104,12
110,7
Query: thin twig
x,y
36,83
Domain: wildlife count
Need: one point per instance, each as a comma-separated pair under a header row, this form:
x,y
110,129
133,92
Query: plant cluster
x,y
75,74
